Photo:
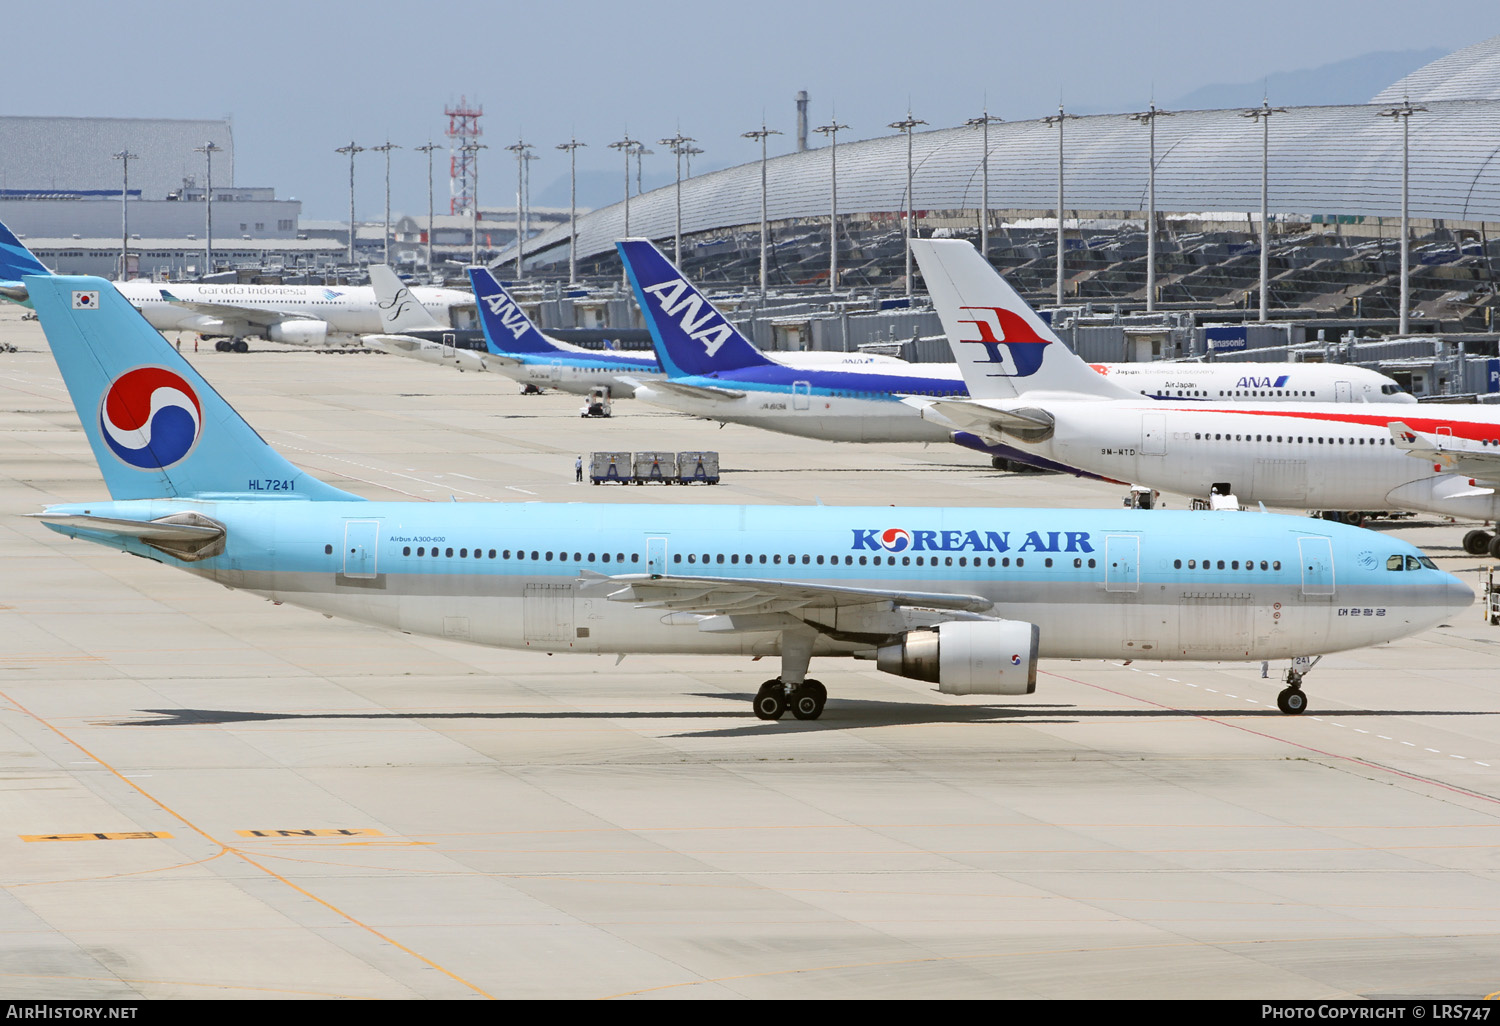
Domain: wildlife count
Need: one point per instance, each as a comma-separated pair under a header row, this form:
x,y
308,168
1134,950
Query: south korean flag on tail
x,y
85,300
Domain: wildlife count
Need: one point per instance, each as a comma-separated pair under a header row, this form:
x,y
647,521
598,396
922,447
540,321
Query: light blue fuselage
x,y
1099,584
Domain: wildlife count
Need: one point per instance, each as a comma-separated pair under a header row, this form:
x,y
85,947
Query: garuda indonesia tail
x,y
16,262
158,430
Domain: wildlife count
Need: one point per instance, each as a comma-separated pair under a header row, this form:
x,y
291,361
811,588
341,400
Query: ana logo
x,y
1267,382
678,299
150,418
1009,342
511,318
895,539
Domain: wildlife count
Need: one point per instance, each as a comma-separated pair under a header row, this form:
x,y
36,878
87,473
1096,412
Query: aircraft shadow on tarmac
x,y
841,714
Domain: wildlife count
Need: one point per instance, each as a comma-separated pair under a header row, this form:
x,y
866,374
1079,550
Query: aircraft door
x,y
801,395
1153,435
450,345
656,556
1343,392
1122,562
361,548
1317,565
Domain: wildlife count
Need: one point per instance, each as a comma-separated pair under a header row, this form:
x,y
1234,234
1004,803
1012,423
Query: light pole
x,y
1403,115
761,135
1149,118
625,145
519,148
832,131
983,123
1263,115
1058,120
125,157
351,149
208,149
679,144
640,151
690,153
472,149
428,150
908,126
526,195
386,149
572,147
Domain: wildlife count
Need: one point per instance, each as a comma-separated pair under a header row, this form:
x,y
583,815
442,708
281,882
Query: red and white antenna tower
x,y
463,128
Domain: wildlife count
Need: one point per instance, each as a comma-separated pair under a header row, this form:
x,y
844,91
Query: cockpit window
x,y
1429,564
1394,563
1413,563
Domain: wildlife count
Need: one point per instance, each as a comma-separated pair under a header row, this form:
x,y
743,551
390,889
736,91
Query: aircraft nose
x,y
1457,596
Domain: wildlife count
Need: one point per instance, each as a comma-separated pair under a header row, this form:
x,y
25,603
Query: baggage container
x,y
610,466
698,467
655,467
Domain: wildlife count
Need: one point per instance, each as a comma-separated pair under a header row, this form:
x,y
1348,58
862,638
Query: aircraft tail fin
x,y
507,329
399,309
692,337
16,262
1002,347
158,430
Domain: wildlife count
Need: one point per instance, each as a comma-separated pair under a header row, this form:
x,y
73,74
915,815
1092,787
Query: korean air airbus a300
x,y
1031,391
308,315
965,598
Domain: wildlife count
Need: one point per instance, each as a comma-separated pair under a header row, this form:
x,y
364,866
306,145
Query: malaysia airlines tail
x,y
1003,349
399,309
692,337
16,262
158,430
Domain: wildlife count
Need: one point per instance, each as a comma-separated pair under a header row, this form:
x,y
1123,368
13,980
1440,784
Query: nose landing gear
x,y
1292,700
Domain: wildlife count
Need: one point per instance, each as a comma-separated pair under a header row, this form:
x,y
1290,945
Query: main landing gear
x,y
1292,700
805,700
792,690
1480,543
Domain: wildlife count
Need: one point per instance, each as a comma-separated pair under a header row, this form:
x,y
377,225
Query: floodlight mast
x,y
983,123
624,145
351,149
1263,115
386,149
471,149
832,131
521,150
1058,119
572,147
428,150
1403,115
208,149
761,135
1149,118
907,126
125,157
679,144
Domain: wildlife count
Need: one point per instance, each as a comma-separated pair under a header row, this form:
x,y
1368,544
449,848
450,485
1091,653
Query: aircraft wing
x,y
1458,455
236,314
730,605
709,392
986,420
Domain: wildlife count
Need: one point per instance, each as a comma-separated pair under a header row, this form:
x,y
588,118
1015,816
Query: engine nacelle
x,y
968,657
299,333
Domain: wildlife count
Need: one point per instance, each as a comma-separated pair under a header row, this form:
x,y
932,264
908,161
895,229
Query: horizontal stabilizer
x,y
1027,424
682,388
187,536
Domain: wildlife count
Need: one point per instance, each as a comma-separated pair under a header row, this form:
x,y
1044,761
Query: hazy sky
x,y
300,79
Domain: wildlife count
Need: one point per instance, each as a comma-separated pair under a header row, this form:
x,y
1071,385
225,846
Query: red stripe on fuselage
x,y
1474,430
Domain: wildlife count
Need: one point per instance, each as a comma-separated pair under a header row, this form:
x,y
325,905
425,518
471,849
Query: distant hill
x,y
1355,80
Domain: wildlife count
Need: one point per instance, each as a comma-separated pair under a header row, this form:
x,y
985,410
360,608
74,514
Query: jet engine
x,y
968,657
299,333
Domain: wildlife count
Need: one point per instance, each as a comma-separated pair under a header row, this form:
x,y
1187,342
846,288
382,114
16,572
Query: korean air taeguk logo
x,y
895,539
150,418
